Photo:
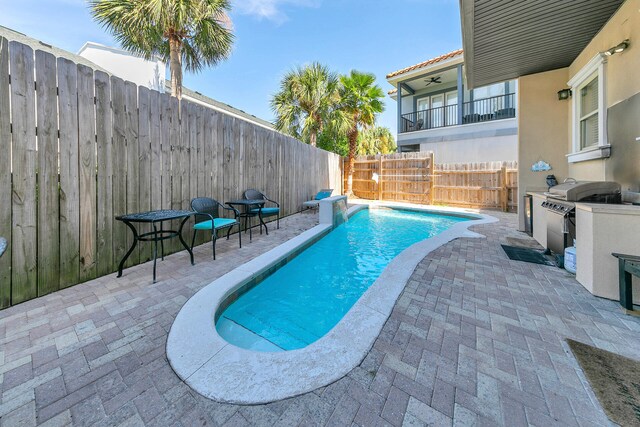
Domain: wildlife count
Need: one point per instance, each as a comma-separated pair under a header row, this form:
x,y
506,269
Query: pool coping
x,y
226,373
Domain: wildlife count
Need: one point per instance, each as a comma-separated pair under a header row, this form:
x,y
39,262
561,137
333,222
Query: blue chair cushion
x,y
266,211
323,195
217,223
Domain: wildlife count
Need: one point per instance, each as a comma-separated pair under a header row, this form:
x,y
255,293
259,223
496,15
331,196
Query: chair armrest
x,y
231,208
203,214
272,201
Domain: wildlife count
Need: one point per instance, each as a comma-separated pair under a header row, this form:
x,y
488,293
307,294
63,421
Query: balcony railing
x,y
479,110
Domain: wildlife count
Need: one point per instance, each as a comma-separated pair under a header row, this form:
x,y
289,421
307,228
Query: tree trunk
x,y
175,66
313,138
352,135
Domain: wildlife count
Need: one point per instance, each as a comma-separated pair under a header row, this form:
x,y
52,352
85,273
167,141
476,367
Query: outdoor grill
x,y
560,205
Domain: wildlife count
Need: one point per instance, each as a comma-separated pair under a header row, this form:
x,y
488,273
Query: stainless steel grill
x,y
560,205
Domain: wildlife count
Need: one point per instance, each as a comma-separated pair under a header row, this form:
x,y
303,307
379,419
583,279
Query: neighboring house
x,y
152,74
437,112
142,72
577,67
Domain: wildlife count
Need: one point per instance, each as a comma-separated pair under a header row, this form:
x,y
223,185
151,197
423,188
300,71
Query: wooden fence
x,y
399,176
78,147
416,178
489,185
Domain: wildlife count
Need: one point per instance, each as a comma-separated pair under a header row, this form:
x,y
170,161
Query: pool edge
x,y
220,371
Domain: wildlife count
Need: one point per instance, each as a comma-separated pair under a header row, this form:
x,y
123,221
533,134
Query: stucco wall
x,y
497,148
622,68
542,130
622,83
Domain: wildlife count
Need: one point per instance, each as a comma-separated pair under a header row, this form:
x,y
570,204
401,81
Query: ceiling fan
x,y
433,80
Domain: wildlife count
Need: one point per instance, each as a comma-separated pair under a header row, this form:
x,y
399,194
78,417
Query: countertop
x,y
609,209
537,194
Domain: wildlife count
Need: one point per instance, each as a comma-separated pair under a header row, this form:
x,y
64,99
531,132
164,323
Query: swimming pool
x,y
305,298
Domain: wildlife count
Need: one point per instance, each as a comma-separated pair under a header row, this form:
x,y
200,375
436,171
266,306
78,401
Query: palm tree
x,y
193,33
361,101
307,102
376,140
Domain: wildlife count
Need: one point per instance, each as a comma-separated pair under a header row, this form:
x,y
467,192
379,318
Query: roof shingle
x,y
426,63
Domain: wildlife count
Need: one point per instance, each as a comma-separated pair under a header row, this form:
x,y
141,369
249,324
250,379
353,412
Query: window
x,y
589,112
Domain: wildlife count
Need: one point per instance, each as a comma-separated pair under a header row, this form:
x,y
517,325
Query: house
x,y
437,112
152,74
142,72
576,65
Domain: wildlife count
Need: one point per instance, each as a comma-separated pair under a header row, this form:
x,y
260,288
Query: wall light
x,y
618,48
564,94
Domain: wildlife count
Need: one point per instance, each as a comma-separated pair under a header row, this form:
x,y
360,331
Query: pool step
x,y
243,337
287,335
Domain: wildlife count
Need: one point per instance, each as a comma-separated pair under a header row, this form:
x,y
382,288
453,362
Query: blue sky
x,y
274,36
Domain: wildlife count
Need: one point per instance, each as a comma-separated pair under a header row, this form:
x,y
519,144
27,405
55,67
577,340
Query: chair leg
x,y
278,221
228,232
239,235
193,239
213,243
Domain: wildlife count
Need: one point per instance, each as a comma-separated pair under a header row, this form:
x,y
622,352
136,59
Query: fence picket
x,y
119,156
155,165
131,123
146,153
69,173
5,175
163,193
48,207
105,261
24,157
87,172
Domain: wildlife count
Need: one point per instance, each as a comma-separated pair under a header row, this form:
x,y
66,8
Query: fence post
x,y
432,176
380,179
504,195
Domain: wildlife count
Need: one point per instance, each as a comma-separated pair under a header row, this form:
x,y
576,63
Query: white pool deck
x,y
221,371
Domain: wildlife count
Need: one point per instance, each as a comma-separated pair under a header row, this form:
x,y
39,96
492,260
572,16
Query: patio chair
x,y
322,194
252,194
208,218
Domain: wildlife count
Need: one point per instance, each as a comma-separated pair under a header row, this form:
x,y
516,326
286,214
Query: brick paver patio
x,y
474,339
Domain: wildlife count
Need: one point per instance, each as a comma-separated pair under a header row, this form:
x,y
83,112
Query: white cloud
x,y
271,9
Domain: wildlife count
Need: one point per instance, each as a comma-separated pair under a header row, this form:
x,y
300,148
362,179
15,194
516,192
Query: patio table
x,y
155,218
246,204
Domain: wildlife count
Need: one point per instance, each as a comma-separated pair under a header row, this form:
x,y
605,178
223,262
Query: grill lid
x,y
579,190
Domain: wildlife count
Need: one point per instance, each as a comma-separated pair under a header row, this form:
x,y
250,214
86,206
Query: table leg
x,y
624,277
182,240
161,245
155,250
133,245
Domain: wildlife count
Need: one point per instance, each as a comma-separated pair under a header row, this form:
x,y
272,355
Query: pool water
x,y
304,299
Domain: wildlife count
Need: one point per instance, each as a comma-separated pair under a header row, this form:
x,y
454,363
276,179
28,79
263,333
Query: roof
x,y
94,45
426,63
198,97
12,35
505,40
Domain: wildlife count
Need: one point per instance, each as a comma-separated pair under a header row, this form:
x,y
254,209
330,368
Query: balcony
x,y
477,111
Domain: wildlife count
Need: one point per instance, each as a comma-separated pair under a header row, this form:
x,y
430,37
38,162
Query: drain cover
x,y
527,255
